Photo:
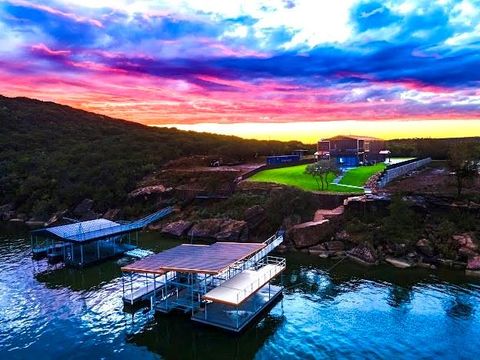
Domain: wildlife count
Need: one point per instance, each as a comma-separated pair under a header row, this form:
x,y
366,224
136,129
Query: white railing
x,y
279,264
401,170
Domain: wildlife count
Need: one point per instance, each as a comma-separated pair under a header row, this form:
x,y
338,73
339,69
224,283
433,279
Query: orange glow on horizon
x,y
311,132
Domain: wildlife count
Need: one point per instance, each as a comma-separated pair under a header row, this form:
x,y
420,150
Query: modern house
x,y
350,150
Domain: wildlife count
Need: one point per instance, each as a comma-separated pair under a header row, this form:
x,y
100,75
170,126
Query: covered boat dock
x,y
87,242
224,284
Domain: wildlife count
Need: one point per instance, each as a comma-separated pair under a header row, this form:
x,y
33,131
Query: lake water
x,y
349,312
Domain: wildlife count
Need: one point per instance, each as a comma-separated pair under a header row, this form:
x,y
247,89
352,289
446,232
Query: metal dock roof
x,y
206,259
99,228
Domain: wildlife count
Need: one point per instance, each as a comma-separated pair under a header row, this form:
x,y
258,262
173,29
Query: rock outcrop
x,y
474,263
220,230
111,214
207,228
7,212
254,216
310,233
398,263
424,247
148,190
363,254
233,230
56,217
84,210
335,245
465,241
177,228
328,214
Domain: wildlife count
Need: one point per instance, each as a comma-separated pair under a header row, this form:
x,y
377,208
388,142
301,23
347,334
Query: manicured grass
x,y
359,176
295,176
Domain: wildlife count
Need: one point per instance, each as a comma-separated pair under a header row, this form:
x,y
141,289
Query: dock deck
x,y
237,289
237,319
144,293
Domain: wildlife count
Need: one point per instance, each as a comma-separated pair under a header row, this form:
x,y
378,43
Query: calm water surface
x,y
347,313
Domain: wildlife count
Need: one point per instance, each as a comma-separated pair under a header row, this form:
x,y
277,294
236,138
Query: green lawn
x,y
359,176
295,176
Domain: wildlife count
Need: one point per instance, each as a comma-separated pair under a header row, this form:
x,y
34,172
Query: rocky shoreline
x,y
325,236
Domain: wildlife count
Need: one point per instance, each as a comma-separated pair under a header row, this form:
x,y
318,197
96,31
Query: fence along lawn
x,y
359,176
295,176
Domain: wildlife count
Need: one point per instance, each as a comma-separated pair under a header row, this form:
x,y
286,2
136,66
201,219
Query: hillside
x,y
54,156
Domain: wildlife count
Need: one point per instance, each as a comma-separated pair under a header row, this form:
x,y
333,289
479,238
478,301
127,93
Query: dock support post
x,y
131,288
81,255
98,250
154,297
123,285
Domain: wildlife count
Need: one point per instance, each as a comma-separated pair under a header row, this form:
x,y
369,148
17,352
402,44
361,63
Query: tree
x,y
321,170
463,159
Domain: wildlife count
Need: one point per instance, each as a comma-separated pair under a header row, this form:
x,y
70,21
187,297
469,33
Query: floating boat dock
x,y
88,242
225,284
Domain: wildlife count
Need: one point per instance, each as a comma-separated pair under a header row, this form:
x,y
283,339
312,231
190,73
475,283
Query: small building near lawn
x,y
351,150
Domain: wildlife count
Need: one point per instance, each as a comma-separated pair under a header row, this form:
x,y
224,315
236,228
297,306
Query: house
x,y
350,150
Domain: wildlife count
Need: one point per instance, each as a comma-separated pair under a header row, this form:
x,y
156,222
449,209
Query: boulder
x,y
177,228
220,230
335,245
290,221
7,212
310,233
342,235
363,254
465,240
17,220
474,263
207,228
328,214
56,217
254,216
466,252
84,210
424,247
148,190
398,263
318,250
111,214
233,230
34,223
7,215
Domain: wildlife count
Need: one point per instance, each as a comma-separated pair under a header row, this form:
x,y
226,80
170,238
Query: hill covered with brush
x,y
54,156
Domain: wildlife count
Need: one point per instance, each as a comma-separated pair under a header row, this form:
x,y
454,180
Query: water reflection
x,y
175,337
400,296
347,312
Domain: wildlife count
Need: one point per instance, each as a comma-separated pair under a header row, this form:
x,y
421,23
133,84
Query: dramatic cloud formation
x,y
282,61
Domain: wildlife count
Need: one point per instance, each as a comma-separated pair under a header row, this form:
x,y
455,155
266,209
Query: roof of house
x,y
186,258
354,137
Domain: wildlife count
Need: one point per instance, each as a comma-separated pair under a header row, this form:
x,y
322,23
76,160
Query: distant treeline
x,y
53,156
437,149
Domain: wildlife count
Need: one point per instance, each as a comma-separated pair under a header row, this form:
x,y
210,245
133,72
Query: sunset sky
x,y
273,69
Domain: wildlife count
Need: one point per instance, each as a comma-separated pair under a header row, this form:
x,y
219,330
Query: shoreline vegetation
x,y
96,166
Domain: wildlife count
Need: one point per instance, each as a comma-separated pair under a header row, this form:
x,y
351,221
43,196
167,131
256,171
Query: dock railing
x,y
279,264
